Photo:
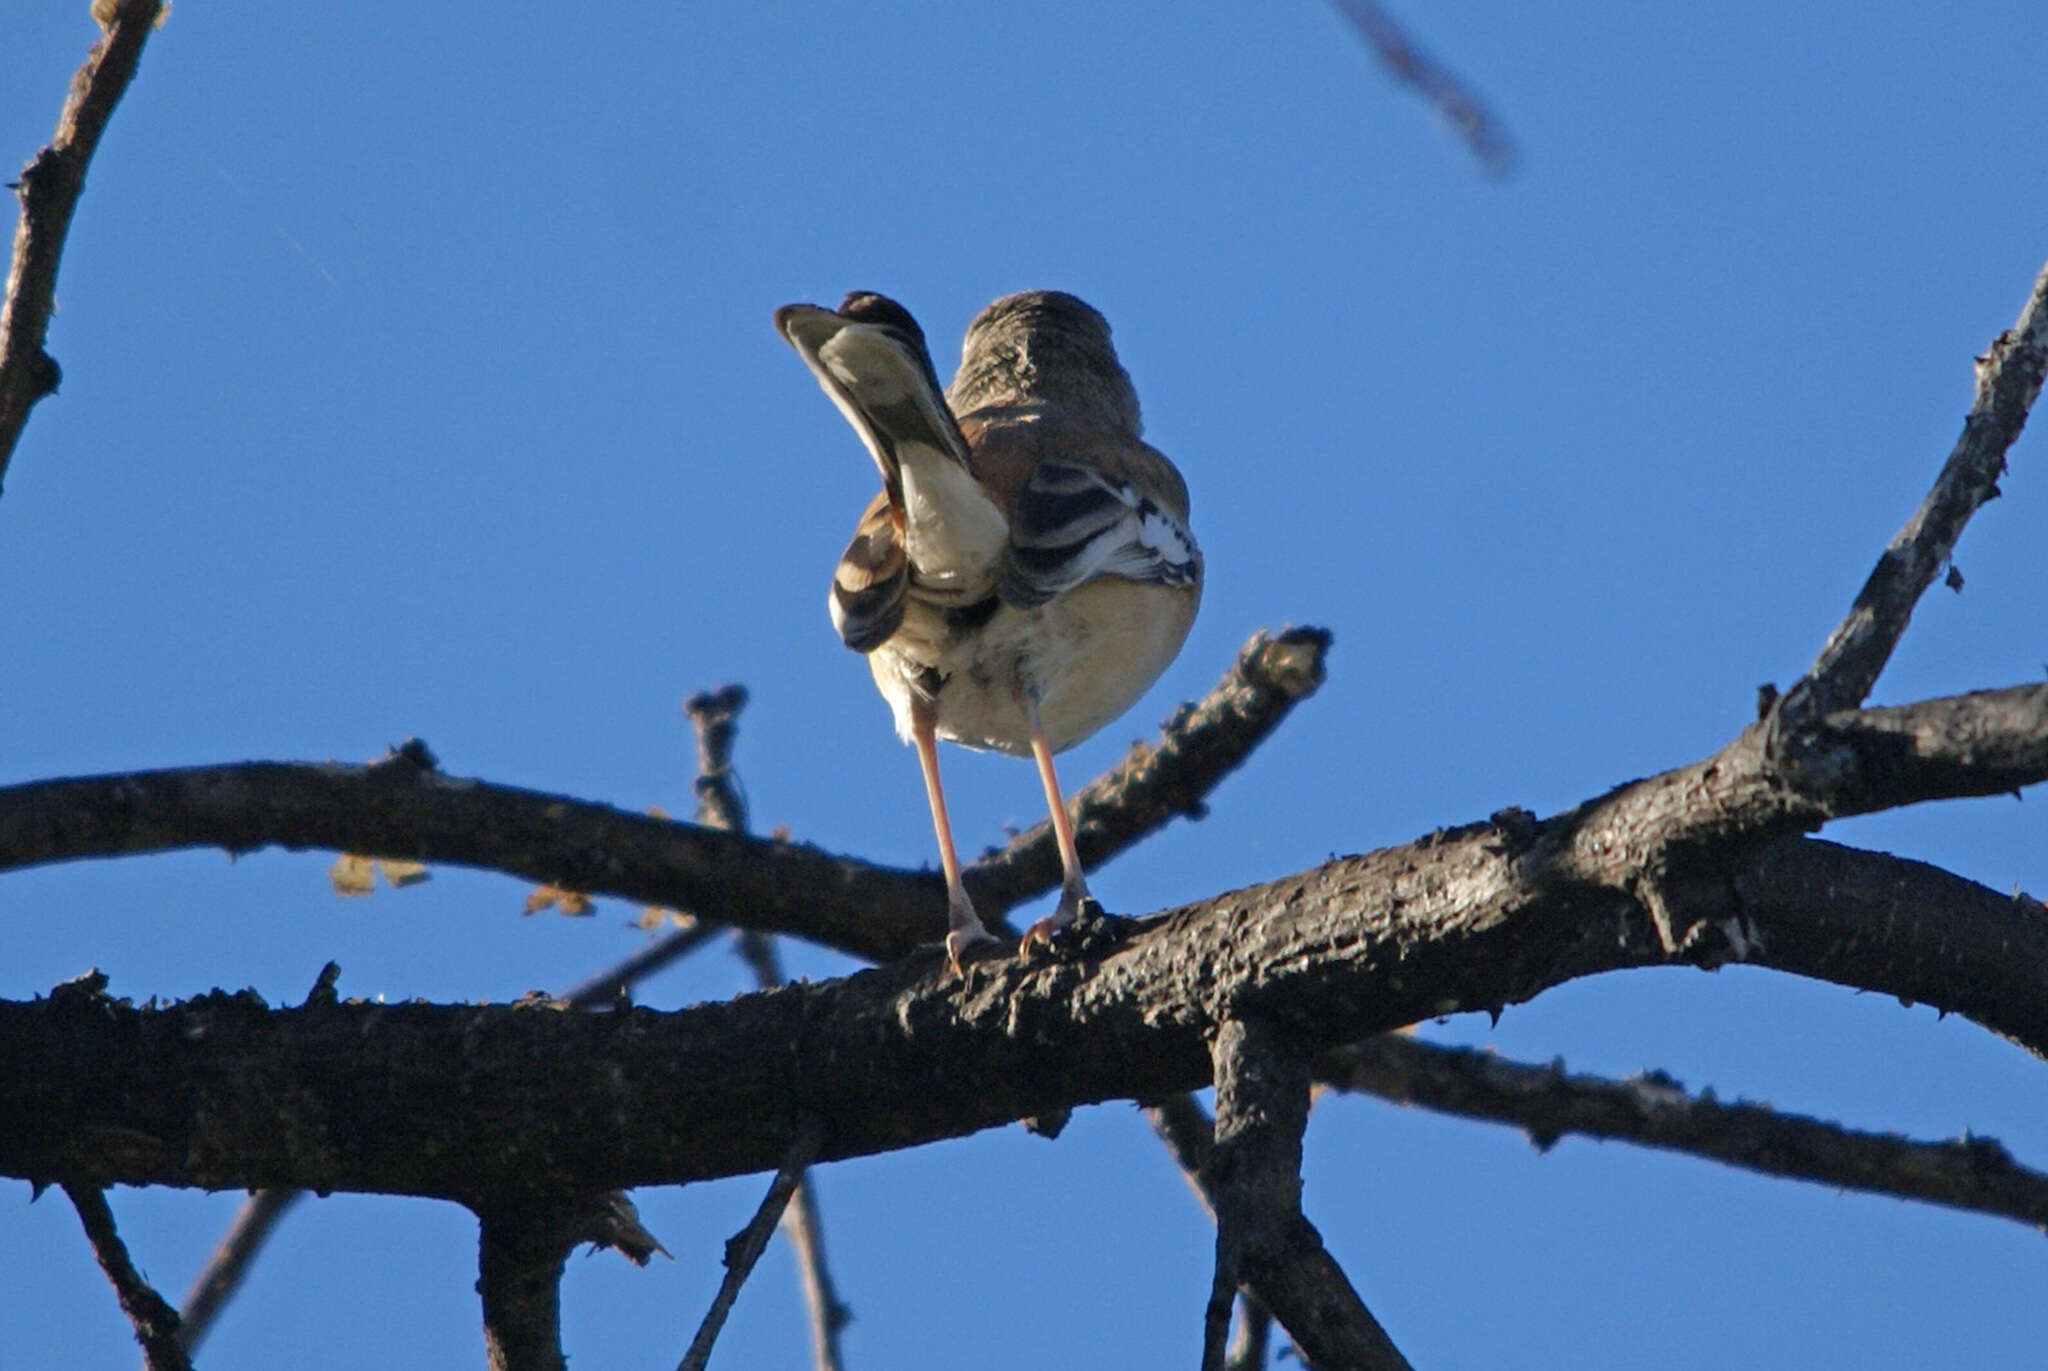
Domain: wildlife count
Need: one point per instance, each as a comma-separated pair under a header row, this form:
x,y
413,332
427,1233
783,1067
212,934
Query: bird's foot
x,y
972,944
1075,928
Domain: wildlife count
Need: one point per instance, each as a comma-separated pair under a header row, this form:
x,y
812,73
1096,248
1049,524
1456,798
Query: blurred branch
x,y
1449,96
156,1323
1967,1173
222,1276
746,1246
49,189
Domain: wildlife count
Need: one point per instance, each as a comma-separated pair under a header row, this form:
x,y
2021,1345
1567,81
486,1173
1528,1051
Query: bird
x,y
1027,570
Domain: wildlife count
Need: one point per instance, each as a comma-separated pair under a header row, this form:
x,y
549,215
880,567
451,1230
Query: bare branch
x,y
404,807
1771,781
1654,1110
1449,96
1253,1179
521,1250
223,1092
746,1246
2008,380
829,1314
225,1270
608,985
156,1323
49,188
1186,1129
715,717
1158,782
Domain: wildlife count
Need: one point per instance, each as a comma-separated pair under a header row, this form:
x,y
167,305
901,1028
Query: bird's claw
x,y
964,945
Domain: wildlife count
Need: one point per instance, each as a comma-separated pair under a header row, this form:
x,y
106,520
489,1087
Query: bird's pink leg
x,y
1073,885
963,926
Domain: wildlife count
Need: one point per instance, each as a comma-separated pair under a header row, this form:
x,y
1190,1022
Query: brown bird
x,y
1026,572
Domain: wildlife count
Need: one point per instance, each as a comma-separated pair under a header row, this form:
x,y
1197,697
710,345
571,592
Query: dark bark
x,y
49,188
493,1102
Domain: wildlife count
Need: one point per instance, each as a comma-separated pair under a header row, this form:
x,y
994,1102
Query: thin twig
x,y
746,1246
722,804
224,1272
606,986
49,188
829,1314
1970,1173
155,1322
2009,376
1451,98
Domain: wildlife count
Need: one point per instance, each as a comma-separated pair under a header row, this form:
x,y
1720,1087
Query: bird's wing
x,y
869,583
880,376
870,357
1076,520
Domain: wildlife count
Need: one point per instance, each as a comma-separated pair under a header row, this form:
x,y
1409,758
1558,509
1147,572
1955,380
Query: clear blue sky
x,y
419,380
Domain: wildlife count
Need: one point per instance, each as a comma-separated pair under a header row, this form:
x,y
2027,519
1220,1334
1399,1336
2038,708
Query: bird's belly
x,y
1085,657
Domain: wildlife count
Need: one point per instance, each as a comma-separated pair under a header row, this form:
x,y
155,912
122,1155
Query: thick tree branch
x,y
1655,1111
1253,1181
156,1323
1766,784
2008,381
521,1249
404,807
471,1102
49,189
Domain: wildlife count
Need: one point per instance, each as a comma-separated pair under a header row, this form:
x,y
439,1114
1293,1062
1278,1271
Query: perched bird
x,y
1027,571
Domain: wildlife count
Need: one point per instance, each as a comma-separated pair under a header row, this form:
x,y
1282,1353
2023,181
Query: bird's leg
x,y
1073,885
963,926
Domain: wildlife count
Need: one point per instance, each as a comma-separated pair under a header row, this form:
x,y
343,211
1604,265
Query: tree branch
x,y
746,1246
2009,378
1966,1173
1446,94
49,189
222,1092
714,715
404,807
1189,1134
521,1249
1253,1180
156,1323
225,1270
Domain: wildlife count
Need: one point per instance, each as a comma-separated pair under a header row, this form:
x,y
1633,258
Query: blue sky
x,y
419,381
